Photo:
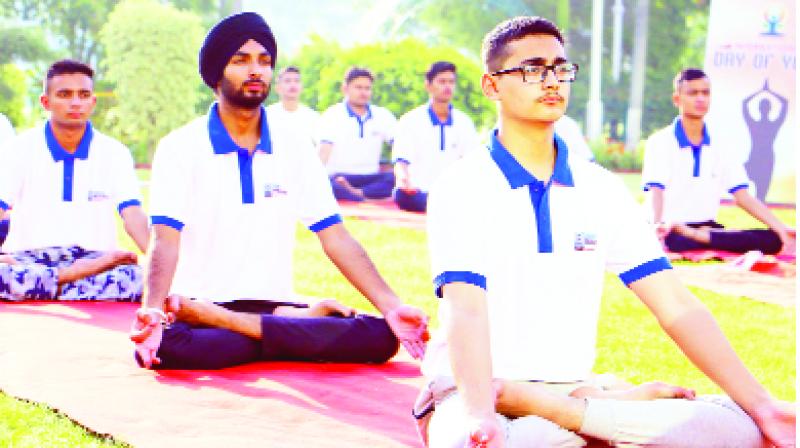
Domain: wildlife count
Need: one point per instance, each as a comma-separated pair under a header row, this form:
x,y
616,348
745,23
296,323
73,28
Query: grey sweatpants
x,y
708,421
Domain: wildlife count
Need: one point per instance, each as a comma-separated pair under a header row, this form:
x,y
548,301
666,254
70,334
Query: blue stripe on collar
x,y
435,122
358,118
222,143
61,155
539,191
683,142
221,140
518,176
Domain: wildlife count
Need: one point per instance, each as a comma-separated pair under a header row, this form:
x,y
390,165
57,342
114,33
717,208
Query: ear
x,y
44,101
489,87
675,98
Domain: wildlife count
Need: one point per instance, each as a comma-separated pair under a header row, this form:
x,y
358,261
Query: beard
x,y
239,97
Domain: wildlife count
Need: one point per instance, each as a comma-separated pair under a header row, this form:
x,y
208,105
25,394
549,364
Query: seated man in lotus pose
x,y
227,191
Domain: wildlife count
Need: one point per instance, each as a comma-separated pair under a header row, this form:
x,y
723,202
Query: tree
x,y
151,56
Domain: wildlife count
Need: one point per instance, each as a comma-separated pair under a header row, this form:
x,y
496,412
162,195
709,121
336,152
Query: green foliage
x,y
13,87
613,157
22,43
151,56
399,69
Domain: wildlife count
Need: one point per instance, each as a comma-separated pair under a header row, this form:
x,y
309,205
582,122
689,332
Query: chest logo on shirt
x,y
96,195
585,241
272,190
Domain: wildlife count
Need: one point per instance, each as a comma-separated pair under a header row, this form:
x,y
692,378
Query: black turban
x,y
228,36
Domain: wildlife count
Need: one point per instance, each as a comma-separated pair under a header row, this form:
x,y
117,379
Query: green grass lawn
x,y
630,344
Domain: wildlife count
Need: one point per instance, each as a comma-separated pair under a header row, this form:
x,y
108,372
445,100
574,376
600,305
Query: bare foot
x,y
329,307
347,186
7,259
653,390
90,266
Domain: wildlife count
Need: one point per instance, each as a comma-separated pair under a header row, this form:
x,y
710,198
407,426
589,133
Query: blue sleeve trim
x,y
325,223
325,141
400,159
457,276
129,203
645,269
4,205
167,221
649,185
737,188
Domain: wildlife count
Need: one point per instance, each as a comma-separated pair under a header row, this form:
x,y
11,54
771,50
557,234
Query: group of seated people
x,y
519,233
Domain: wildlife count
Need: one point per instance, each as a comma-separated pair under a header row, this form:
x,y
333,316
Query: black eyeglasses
x,y
533,74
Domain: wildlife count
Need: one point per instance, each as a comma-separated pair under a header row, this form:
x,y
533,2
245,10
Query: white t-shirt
x,y
693,179
61,199
357,141
542,267
237,213
569,131
302,120
6,130
428,146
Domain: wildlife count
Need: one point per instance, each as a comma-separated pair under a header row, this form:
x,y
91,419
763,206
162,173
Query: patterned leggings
x,y
35,277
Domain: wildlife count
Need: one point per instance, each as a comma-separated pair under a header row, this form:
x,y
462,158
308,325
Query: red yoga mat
x,y
76,358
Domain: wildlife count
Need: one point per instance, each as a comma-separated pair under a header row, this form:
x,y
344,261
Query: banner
x,y
752,64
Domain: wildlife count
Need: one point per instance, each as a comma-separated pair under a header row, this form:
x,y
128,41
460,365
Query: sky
x,y
347,21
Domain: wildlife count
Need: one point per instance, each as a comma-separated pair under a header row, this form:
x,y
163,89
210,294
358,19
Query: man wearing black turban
x,y
226,192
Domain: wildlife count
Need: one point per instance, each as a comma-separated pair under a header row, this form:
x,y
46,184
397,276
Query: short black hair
x,y
493,50
357,72
288,69
439,67
687,74
67,67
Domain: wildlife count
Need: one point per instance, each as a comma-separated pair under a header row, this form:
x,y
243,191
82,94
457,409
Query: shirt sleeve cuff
x,y
167,221
737,188
650,185
325,223
323,140
643,270
125,204
457,276
400,159
4,206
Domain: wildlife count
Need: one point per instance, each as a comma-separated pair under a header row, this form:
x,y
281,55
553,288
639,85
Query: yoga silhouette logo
x,y
763,127
773,21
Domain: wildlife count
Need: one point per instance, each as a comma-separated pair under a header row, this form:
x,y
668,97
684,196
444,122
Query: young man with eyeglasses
x,y
686,175
430,138
520,237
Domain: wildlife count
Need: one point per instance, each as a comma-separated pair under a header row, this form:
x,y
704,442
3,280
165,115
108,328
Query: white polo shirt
x,y
569,131
63,199
694,178
357,141
428,145
6,130
236,212
302,120
540,251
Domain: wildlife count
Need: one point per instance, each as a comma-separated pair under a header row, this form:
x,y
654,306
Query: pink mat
x,y
76,358
783,265
383,212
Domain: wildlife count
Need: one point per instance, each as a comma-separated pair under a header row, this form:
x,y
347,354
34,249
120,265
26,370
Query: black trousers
x,y
738,241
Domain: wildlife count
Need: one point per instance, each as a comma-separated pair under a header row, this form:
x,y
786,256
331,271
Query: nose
x,y
548,81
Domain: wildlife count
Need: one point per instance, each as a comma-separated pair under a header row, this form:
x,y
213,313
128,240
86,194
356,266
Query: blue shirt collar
x,y
683,140
517,176
221,140
352,113
435,119
59,153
